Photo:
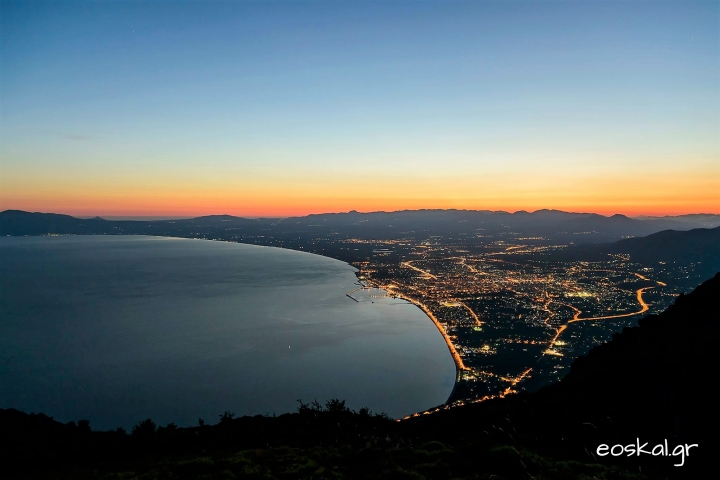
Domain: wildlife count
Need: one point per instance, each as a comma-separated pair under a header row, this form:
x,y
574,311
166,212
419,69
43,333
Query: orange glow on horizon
x,y
196,209
296,193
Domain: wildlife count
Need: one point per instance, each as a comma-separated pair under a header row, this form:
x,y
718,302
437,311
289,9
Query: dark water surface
x,y
117,329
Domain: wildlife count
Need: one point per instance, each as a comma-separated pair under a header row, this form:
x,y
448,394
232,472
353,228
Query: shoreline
x,y
457,360
366,283
434,391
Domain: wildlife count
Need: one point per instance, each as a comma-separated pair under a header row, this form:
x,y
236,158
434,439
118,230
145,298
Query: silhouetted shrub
x,y
336,405
144,429
84,426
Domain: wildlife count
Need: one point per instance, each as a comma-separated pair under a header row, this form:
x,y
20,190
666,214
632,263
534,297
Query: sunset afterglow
x,y
256,109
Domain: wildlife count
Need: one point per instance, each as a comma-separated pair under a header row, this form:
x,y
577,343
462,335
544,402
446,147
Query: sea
x,y
118,329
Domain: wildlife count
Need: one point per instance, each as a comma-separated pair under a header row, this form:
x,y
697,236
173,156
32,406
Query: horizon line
x,y
160,216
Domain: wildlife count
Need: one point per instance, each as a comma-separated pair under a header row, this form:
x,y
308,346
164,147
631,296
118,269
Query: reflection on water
x,y
118,329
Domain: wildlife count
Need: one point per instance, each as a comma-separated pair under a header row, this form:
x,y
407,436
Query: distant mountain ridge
x,y
565,226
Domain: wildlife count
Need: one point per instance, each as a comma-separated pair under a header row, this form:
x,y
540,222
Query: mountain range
x,y
551,224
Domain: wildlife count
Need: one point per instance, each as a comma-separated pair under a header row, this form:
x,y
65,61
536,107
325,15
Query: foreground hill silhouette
x,y
652,382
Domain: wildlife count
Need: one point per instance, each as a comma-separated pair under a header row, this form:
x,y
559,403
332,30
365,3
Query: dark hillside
x,y
696,250
700,245
653,382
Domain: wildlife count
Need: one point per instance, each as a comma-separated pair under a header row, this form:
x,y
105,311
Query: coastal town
x,y
513,317
515,297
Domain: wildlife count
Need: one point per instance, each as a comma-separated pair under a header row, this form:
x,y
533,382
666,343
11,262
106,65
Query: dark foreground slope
x,y
653,382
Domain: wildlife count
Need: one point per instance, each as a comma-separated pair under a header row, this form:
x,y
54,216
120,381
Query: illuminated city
x,y
514,318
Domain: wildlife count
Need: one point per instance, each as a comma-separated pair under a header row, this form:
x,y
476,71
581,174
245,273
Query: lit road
x,y
477,319
426,273
644,307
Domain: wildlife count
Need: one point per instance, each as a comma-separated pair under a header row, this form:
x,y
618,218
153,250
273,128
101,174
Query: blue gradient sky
x,y
278,108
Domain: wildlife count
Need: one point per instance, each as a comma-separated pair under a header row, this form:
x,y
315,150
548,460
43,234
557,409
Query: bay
x,y
116,329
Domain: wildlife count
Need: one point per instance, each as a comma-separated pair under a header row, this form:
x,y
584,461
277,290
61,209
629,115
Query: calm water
x,y
119,329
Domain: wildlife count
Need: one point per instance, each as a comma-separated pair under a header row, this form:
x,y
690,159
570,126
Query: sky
x,y
288,108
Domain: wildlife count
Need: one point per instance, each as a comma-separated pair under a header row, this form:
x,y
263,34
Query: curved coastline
x,y
365,283
459,365
433,368
457,360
